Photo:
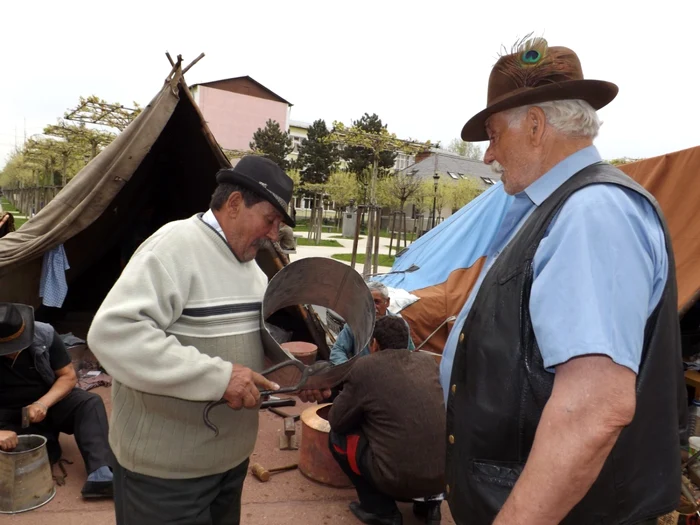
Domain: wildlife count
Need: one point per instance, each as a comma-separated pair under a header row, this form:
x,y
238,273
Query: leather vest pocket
x,y
491,483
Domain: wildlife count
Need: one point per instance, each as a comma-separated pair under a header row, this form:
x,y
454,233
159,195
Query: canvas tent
x,y
450,256
159,169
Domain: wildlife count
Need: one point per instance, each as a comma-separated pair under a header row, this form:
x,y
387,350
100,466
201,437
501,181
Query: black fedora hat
x,y
264,177
16,327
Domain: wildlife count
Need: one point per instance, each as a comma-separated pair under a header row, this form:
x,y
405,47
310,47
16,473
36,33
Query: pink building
x,y
234,109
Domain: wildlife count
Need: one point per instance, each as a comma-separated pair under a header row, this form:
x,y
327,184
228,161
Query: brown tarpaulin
x,y
159,169
672,179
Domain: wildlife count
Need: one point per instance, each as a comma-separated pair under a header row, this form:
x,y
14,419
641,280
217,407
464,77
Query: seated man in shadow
x,y
36,373
388,429
344,347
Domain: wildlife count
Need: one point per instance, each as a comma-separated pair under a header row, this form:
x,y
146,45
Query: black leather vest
x,y
499,388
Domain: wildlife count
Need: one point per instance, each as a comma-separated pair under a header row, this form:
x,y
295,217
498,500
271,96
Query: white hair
x,y
376,286
575,118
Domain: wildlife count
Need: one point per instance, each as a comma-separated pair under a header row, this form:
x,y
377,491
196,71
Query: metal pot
x,y
315,459
26,482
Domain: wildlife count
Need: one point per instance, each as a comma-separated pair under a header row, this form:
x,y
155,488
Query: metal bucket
x,y
315,459
26,482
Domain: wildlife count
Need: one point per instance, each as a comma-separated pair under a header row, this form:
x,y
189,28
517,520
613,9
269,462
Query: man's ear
x,y
536,124
233,204
373,346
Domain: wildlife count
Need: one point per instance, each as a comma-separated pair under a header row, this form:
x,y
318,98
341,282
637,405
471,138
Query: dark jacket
x,y
499,387
394,396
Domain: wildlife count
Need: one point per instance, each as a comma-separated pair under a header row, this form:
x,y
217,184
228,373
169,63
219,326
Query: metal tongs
x,y
286,370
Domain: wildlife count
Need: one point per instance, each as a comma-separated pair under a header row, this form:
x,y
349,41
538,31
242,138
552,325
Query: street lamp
x,y
436,178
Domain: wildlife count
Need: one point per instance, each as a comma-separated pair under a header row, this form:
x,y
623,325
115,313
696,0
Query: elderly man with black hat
x,y
36,374
181,327
562,374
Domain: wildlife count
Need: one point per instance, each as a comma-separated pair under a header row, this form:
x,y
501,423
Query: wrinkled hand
x,y
37,413
243,390
8,440
309,396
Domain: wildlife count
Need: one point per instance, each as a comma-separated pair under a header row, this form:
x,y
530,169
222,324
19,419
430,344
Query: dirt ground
x,y
288,498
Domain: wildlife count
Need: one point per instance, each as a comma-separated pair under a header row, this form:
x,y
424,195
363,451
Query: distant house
x,y
298,130
234,109
450,168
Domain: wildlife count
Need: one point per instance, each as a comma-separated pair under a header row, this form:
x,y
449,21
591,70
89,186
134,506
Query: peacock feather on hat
x,y
532,63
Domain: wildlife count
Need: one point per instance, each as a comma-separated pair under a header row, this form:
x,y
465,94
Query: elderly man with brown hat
x,y
562,374
180,328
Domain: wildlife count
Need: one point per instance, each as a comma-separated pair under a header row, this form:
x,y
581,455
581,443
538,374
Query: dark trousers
x,y
81,414
352,453
210,500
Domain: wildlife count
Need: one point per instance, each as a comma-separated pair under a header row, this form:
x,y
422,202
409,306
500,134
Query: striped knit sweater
x,y
183,310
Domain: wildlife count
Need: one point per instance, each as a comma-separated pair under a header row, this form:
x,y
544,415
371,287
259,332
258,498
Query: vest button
x,y
454,388
461,338
451,439
447,489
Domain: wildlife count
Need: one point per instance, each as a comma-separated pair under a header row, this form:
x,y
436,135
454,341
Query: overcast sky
x,y
422,67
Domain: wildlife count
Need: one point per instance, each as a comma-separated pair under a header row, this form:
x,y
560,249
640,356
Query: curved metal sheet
x,y
322,282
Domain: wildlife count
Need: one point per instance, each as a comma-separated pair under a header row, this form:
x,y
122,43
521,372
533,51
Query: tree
x,y
622,160
342,187
378,144
466,149
462,192
273,143
94,110
360,158
318,157
395,190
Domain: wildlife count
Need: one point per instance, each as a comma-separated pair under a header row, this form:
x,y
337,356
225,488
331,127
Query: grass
x,y
7,206
384,260
324,242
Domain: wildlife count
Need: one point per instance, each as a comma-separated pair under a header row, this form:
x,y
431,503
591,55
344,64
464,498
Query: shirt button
x,y
451,439
461,338
454,388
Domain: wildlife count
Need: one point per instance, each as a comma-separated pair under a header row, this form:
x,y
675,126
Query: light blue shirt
x,y
599,272
344,345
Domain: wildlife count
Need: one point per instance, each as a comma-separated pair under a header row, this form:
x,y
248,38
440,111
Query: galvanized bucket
x,y
26,482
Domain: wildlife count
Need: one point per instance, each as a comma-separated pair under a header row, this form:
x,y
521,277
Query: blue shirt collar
x,y
547,184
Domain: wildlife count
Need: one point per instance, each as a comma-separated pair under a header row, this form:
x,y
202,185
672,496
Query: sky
x,y
423,67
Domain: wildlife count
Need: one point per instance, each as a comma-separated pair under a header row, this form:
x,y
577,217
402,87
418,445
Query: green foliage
x,y
393,191
318,157
466,149
342,187
361,153
622,160
273,143
324,242
376,144
462,192
64,149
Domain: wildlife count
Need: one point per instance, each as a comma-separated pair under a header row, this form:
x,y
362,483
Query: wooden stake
x,y
200,57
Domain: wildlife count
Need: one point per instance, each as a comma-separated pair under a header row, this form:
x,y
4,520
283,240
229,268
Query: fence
x,y
30,200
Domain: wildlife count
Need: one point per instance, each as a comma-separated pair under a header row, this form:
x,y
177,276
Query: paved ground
x,y
288,498
325,251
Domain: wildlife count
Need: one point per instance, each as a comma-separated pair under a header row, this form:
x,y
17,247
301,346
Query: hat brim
x,y
254,186
598,93
26,339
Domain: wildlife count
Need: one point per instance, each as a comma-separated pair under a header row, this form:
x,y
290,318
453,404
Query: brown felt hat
x,y
533,73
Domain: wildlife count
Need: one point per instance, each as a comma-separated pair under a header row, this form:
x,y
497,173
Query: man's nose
x,y
488,156
274,233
